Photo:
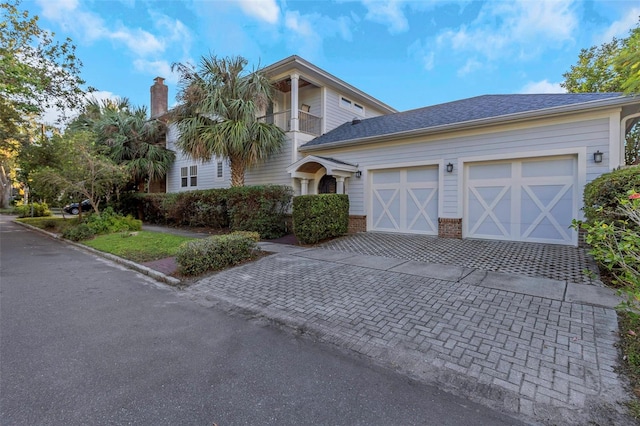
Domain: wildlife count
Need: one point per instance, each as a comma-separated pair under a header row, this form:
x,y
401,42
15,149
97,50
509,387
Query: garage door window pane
x,y
490,171
555,167
386,176
422,174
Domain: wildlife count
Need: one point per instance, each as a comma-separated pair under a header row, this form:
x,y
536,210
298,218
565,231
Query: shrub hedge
x,y
214,253
251,208
602,195
318,217
33,210
261,209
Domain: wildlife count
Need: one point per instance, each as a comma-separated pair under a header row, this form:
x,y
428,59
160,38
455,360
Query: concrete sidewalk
x,y
538,348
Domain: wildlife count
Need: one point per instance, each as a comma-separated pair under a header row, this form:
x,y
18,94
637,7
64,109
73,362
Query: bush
x,y
33,210
261,209
602,195
213,253
254,236
318,217
152,207
79,232
127,203
616,247
109,222
106,222
192,208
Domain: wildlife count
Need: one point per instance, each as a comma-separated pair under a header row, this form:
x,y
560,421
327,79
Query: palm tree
x,y
218,114
132,139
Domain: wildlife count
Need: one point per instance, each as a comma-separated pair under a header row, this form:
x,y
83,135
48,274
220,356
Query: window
x,y
350,105
219,169
193,174
188,176
183,177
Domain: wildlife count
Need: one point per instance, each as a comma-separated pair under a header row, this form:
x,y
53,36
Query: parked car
x,y
74,208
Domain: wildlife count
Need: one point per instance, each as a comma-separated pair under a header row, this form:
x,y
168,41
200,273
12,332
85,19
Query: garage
x,y
405,200
531,200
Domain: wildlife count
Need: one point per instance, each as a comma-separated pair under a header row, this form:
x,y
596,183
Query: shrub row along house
x,y
504,167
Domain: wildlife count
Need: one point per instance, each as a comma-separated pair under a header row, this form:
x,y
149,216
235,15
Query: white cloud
x,y
140,42
56,9
157,68
422,54
517,30
51,115
472,65
92,27
174,31
312,29
543,86
620,28
387,12
265,10
300,25
503,27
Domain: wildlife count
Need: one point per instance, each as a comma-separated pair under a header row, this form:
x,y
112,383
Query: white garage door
x,y
523,200
405,200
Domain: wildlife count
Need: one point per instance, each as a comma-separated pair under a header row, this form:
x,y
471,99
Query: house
x,y
504,167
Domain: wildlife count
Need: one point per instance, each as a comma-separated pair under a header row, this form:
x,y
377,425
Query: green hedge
x,y
214,253
197,208
261,209
33,210
318,217
602,195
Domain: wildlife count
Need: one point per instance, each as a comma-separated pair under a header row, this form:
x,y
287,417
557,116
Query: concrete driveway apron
x,y
516,326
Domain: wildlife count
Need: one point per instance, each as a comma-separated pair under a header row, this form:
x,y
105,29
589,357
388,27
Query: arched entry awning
x,y
308,168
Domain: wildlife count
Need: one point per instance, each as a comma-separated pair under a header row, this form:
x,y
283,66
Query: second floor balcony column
x,y
294,102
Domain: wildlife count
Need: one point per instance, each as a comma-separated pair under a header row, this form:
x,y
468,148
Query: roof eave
x,y
293,61
619,101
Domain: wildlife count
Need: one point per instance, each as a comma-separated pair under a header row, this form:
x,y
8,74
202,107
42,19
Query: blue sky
x,y
407,54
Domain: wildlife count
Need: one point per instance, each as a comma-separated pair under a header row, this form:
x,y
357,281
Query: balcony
x,y
307,123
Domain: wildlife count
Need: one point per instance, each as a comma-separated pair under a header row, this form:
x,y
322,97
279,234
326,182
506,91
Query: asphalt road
x,y
84,341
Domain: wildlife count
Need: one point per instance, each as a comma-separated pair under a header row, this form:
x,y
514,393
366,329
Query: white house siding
x,y
583,134
274,170
337,115
310,95
207,172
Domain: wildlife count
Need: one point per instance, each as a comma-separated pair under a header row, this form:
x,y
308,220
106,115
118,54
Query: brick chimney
x,y
159,98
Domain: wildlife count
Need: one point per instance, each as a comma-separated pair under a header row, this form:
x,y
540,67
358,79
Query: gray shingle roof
x,y
477,108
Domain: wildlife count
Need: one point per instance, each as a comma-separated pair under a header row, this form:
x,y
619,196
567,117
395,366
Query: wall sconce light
x,y
597,157
449,168
358,174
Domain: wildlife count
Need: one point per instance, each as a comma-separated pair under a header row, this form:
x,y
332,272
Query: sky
x,y
407,54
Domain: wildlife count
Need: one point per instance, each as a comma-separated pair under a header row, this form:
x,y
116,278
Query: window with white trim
x,y
347,103
219,170
188,176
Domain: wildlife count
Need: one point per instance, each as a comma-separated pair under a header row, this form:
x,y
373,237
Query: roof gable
x,y
475,109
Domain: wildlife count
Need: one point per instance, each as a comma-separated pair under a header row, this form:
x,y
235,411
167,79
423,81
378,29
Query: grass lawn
x,y
141,246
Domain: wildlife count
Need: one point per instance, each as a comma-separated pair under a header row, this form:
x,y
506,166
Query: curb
x,y
159,276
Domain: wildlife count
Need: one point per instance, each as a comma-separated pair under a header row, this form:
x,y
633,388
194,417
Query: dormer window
x,y
347,103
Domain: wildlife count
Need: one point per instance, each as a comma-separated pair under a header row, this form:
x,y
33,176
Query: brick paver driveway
x,y
541,357
529,259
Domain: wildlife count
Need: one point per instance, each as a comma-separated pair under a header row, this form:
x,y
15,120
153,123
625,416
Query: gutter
x,y
479,123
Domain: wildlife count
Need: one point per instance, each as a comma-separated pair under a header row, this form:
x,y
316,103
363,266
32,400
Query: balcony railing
x,y
307,123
